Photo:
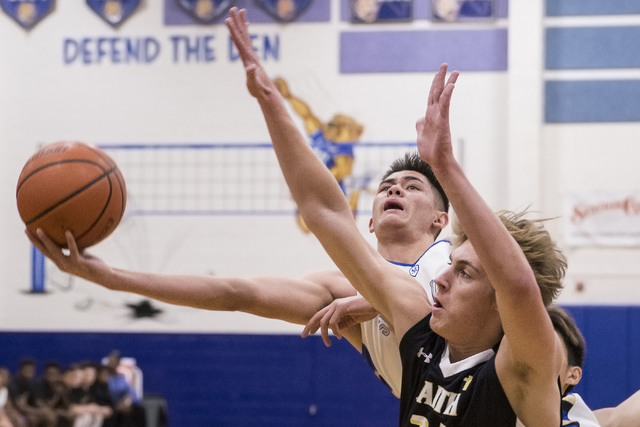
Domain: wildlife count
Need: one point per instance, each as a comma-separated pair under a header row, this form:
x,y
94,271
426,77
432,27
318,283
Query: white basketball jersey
x,y
575,412
379,343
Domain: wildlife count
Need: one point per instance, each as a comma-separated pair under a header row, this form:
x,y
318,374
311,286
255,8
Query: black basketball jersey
x,y
437,393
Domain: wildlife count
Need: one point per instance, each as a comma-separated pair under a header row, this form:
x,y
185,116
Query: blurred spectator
x,y
22,394
9,416
129,411
50,396
82,407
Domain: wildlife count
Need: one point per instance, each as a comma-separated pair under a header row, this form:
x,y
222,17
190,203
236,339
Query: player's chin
x,y
437,321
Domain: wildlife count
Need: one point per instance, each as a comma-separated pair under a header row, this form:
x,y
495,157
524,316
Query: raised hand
x,y
434,134
258,83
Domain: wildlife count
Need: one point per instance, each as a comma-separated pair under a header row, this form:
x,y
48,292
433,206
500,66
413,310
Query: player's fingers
x,y
437,85
72,245
313,324
35,241
48,248
445,98
334,324
324,327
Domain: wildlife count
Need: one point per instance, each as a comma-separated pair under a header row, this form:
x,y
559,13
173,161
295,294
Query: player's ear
x,y
371,230
574,375
441,220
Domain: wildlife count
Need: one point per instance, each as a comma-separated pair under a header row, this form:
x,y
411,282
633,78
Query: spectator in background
x,y
9,417
22,394
101,394
82,408
50,396
127,404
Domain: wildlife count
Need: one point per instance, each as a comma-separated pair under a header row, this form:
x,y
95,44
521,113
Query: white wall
x,y
513,158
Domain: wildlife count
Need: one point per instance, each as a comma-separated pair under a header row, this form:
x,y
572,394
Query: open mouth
x,y
393,204
436,303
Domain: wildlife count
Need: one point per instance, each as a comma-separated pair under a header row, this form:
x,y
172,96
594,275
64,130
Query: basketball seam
x,y
70,196
106,205
48,165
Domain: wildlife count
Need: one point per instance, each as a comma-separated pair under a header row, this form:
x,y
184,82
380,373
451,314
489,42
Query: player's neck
x,y
403,251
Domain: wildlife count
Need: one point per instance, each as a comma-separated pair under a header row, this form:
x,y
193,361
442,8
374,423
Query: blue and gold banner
x,y
376,11
27,13
114,12
284,10
465,10
206,11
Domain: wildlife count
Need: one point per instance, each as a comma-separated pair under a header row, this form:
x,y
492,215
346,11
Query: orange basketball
x,y
71,186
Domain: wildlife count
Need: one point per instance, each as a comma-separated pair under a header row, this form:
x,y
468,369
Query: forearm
x,y
311,184
500,255
322,204
293,300
626,414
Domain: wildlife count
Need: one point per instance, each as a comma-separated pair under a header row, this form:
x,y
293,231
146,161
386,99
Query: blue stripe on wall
x,y
591,7
610,372
592,48
231,380
423,51
592,101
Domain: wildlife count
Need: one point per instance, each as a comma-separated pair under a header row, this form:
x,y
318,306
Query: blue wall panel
x,y
232,380
610,371
591,7
592,48
283,380
422,51
592,101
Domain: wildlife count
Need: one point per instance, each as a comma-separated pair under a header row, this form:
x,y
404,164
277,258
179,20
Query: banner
x,y
602,217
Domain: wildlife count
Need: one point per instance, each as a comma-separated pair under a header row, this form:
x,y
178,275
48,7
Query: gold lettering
x,y
467,381
419,420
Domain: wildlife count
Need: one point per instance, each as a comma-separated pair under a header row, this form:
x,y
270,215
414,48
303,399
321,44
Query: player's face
x,y
464,299
404,199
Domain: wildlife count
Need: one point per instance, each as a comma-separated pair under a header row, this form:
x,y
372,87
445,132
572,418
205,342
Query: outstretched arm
x,y
527,361
323,206
626,414
294,300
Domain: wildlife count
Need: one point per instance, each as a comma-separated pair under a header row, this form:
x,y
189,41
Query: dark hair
x,y
27,361
564,324
412,162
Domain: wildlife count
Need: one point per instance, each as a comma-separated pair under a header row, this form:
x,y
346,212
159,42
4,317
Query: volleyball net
x,y
223,179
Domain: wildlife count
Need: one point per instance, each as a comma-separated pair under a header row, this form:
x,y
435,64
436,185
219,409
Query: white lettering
x,y
443,398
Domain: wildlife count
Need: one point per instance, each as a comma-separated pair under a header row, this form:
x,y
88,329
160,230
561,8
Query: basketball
x,y
71,186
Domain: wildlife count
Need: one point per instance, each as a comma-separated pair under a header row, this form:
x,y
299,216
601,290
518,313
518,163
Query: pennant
x,y
114,12
206,11
27,13
284,10
376,11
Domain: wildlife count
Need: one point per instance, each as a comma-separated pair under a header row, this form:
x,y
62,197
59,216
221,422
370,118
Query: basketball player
x,y
575,411
409,211
485,352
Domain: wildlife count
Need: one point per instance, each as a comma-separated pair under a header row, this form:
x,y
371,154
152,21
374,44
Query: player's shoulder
x,y
439,250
